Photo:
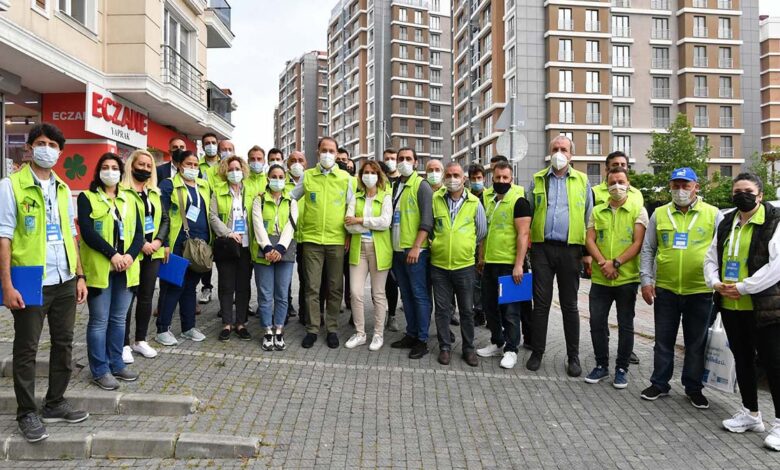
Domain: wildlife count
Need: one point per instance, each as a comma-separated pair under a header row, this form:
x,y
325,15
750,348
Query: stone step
x,y
116,403
41,364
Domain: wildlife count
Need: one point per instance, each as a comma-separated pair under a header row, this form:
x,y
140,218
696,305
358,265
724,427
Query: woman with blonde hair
x,y
140,180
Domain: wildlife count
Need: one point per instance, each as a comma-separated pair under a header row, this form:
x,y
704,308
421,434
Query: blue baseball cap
x,y
684,173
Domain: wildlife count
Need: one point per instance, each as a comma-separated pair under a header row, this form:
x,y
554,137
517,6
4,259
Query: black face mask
x,y
141,175
501,188
745,202
176,155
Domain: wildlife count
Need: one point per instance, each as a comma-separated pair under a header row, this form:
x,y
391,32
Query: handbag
x,y
226,249
720,371
196,251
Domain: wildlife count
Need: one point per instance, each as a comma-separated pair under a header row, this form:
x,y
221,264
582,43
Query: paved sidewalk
x,y
354,408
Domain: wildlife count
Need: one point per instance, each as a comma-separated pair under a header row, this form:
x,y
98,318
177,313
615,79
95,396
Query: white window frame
x,y
41,11
90,8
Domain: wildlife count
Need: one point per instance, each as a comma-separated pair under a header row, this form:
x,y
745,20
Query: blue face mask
x,y
477,186
45,157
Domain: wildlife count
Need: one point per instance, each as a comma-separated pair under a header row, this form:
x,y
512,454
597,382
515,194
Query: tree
x,y
677,148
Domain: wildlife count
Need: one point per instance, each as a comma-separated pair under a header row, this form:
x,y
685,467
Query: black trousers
x,y
302,308
745,337
143,300
391,292
235,278
59,306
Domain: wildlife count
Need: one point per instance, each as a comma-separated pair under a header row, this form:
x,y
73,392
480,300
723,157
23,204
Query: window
x,y
702,142
403,107
726,146
510,28
565,81
724,28
418,53
403,88
621,86
661,119
402,14
488,125
403,33
177,53
660,58
418,90
593,113
418,71
418,108
593,143
403,52
621,116
436,129
660,28
701,118
512,85
726,170
724,58
700,56
564,51
621,56
403,70
726,116
418,36
661,87
592,53
592,23
621,26
487,98
699,27
700,86
436,147
436,93
435,40
435,75
564,19
622,143
83,11
435,58
592,82
510,56
435,22
566,112
724,89
435,111
404,125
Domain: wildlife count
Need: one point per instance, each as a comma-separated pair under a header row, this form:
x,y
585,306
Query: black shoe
x,y
250,312
471,359
31,428
309,340
534,362
454,321
653,393
632,359
63,412
332,340
444,357
224,335
479,318
407,342
698,400
419,350
243,334
573,368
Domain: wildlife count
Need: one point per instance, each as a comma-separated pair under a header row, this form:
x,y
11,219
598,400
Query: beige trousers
x,y
357,281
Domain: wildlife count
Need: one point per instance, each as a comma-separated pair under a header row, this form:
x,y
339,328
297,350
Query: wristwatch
x,y
616,263
81,276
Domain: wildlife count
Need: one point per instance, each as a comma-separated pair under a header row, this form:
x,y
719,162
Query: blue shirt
x,y
199,228
556,226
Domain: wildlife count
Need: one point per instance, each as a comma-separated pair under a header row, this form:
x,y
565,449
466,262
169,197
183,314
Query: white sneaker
x,y
143,348
376,343
127,355
194,335
772,441
509,360
742,421
491,350
166,338
205,295
355,341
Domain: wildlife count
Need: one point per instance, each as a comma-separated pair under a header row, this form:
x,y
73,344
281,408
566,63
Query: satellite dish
x,y
504,145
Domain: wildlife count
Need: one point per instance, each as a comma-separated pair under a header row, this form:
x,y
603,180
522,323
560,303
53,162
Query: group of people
x,y
443,241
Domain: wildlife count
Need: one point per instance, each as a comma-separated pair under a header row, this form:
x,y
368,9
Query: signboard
x,y
114,118
504,145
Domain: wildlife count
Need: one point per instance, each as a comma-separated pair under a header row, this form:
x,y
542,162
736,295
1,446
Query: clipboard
x,y
28,280
509,292
173,271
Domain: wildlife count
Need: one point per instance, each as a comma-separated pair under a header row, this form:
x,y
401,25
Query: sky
x,y
268,34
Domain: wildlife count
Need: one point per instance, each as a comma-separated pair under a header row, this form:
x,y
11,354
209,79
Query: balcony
x,y
726,63
660,63
661,122
593,26
725,33
594,149
566,118
621,3
701,62
660,34
621,62
727,122
725,92
621,92
566,87
699,3
727,152
621,121
593,118
700,32
563,56
184,76
661,93
701,91
701,121
593,88
621,32
659,4
217,19
593,57
219,102
565,25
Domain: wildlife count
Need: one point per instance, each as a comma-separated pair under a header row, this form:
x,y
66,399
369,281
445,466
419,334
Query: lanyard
x,y
690,226
196,201
401,187
114,211
148,201
733,251
495,208
237,204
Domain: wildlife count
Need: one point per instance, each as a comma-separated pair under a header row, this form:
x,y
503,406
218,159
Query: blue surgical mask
x,y
257,167
276,185
210,149
45,157
477,186
190,174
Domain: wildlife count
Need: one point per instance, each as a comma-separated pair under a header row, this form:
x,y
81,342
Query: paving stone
x,y
120,444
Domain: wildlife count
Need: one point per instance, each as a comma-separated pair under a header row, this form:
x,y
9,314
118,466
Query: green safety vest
x,y
454,241
29,244
745,302
601,195
410,212
96,266
209,172
577,194
326,206
301,205
256,183
680,270
383,245
225,204
176,225
614,234
271,213
153,195
500,246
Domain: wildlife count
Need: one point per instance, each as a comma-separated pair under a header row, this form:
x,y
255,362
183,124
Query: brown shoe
x,y
444,358
471,359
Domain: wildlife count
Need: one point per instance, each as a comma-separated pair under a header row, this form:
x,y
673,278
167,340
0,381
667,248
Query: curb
x,y
116,403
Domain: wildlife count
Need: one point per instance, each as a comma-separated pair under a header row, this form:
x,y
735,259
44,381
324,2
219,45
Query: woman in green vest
x,y
369,214
743,266
111,239
274,218
230,219
140,180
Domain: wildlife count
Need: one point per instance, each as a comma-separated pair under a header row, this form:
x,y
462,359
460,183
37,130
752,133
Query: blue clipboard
x,y
28,280
509,292
173,271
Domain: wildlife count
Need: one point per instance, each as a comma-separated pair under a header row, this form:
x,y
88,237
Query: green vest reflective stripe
x,y
153,195
326,206
577,194
745,302
614,234
454,241
96,266
677,270
410,212
601,195
205,192
383,245
29,243
500,245
271,213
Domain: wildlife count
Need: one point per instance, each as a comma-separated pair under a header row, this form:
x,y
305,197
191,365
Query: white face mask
x,y
45,157
210,149
190,174
296,169
109,177
618,192
235,176
370,180
276,185
682,197
391,165
327,160
434,177
405,168
559,161
453,184
257,167
225,154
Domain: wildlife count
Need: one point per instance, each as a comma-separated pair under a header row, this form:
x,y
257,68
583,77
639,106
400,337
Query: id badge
x,y
121,229
53,233
148,224
732,271
239,226
680,241
193,212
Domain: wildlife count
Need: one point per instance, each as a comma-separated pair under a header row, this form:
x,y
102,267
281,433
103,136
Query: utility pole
x,y
472,151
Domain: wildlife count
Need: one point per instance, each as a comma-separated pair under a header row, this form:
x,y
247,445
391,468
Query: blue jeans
x,y
415,292
106,326
184,296
273,282
695,312
601,298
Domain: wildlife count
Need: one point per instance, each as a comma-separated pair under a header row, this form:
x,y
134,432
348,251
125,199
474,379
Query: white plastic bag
x,y
720,372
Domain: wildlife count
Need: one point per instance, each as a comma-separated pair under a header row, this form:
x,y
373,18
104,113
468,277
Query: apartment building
x,y
610,74
302,114
770,84
114,76
389,65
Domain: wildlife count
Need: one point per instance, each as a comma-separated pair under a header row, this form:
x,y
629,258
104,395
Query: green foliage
x,y
75,167
676,149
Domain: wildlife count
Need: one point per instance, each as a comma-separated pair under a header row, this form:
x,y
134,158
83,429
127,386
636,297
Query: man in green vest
x,y
37,229
615,232
675,246
561,203
503,254
390,159
459,225
326,189
258,169
296,165
476,177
